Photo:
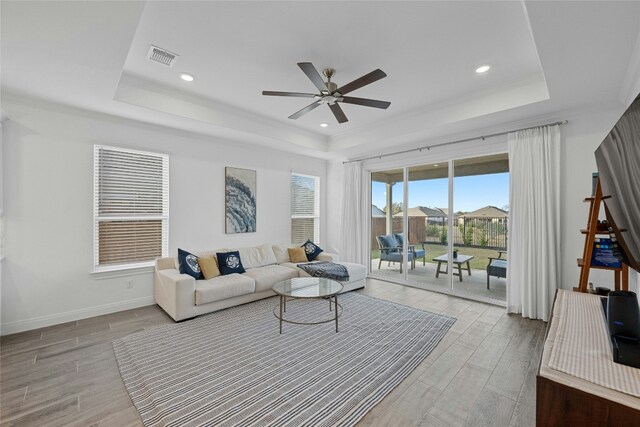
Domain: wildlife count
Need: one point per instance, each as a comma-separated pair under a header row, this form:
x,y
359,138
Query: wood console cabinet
x,y
564,400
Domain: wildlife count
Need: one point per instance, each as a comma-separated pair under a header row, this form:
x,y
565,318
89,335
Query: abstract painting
x,y
240,200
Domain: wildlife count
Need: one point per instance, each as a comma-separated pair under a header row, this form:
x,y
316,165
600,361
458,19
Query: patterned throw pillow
x,y
311,249
229,262
188,264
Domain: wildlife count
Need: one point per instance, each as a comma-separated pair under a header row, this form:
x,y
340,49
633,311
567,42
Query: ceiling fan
x,y
331,94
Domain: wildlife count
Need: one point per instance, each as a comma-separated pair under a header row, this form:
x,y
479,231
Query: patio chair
x,y
389,250
497,267
417,253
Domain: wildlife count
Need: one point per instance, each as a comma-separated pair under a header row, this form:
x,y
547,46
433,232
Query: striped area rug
x,y
233,368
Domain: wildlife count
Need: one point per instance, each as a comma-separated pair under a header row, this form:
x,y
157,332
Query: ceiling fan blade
x,y
366,102
337,111
373,76
314,76
305,110
296,94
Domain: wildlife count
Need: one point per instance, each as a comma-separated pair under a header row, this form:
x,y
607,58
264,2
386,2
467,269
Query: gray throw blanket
x,y
327,270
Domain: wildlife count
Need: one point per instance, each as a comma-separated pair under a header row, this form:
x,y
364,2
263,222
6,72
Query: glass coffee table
x,y
308,288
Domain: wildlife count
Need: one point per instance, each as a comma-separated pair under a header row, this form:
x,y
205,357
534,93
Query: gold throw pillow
x,y
209,267
298,255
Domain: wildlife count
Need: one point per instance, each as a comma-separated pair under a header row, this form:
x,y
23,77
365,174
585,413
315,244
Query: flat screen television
x,y
618,159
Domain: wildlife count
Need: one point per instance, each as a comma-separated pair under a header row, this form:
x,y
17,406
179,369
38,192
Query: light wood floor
x,y
482,373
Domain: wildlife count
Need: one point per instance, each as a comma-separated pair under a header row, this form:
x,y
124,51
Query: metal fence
x,y
478,232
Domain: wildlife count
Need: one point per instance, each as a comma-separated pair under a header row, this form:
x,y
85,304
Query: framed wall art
x,y
240,200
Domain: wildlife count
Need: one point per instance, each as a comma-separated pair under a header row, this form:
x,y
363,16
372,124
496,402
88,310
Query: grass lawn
x,y
480,255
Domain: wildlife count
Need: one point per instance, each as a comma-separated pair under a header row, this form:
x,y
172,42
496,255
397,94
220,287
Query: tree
x,y
505,208
395,208
443,235
483,238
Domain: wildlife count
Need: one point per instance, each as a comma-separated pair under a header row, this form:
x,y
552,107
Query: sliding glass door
x,y
428,201
452,235
481,205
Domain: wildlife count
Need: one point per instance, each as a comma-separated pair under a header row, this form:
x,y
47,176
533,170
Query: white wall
x,y
48,183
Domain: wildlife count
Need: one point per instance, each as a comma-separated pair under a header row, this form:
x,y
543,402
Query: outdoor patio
x,y
474,286
478,233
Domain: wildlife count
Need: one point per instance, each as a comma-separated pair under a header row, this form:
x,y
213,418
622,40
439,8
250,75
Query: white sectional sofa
x,y
184,297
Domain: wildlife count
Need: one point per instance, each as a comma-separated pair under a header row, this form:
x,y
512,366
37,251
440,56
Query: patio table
x,y
457,262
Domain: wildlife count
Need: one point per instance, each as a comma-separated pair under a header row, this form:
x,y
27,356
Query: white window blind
x,y
131,207
305,208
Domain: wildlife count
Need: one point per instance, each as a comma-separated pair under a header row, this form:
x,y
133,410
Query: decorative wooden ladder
x,y
591,232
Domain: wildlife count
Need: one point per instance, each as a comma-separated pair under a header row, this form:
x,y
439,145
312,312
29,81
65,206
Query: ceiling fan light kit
x,y
331,94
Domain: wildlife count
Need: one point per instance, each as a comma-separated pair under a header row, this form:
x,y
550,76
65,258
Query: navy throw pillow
x,y
188,264
229,262
399,238
312,250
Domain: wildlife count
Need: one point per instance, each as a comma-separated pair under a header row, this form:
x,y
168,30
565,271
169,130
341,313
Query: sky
x,y
469,192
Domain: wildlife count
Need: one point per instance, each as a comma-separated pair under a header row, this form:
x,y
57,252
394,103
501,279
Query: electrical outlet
x,y
129,284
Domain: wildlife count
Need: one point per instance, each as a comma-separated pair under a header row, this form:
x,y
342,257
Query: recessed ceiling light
x,y
482,69
435,166
324,125
186,77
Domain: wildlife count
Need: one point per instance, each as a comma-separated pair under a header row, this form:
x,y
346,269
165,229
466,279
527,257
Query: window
x,y
305,208
131,207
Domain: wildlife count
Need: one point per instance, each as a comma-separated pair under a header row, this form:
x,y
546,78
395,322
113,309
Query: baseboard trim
x,y
69,316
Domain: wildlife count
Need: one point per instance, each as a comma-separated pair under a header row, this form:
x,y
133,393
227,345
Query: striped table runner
x,y
581,346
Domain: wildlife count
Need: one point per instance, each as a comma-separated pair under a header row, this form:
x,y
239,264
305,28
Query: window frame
x,y
317,203
97,218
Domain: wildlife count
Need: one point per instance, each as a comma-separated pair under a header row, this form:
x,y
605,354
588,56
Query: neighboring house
x,y
376,212
496,215
432,215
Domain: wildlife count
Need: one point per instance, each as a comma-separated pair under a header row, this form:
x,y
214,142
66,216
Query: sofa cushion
x,y
211,253
230,262
327,256
311,249
282,252
388,241
188,263
223,287
291,265
257,256
267,276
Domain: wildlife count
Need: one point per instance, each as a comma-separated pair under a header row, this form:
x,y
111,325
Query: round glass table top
x,y
307,287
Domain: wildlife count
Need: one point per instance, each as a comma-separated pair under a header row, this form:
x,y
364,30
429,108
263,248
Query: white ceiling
x,y
546,58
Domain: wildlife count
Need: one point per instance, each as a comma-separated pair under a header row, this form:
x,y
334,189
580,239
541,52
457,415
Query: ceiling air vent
x,y
162,56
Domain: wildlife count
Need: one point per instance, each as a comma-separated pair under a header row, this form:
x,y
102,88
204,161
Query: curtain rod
x,y
442,144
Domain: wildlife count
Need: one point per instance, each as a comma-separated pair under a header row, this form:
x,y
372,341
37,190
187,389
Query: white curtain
x,y
353,216
534,221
